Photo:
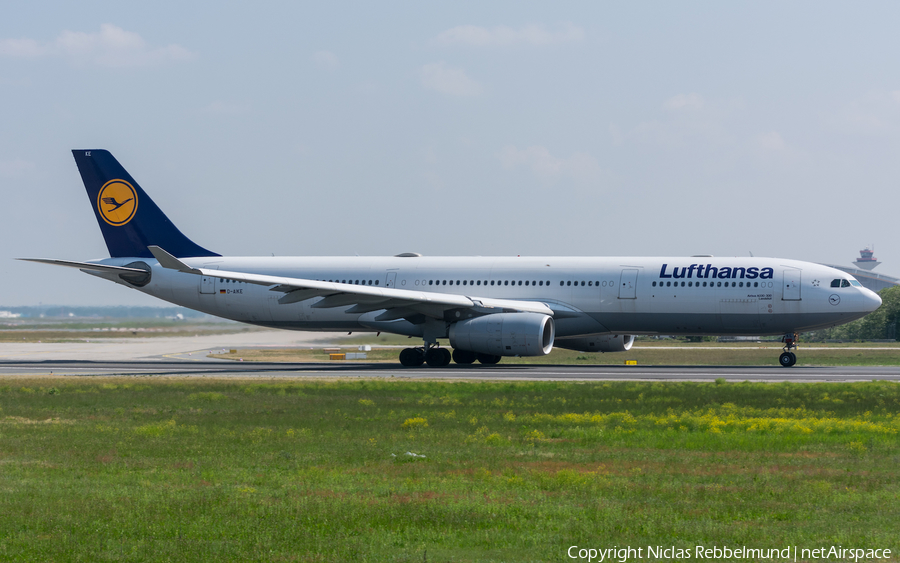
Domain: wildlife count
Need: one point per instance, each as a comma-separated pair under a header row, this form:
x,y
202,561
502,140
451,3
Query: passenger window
x,y
668,284
561,283
654,284
520,282
568,283
492,282
582,284
682,284
835,283
755,284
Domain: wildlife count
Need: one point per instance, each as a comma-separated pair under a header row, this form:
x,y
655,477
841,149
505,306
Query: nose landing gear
x,y
788,358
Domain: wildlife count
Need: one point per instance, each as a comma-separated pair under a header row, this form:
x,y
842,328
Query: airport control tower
x,y
866,261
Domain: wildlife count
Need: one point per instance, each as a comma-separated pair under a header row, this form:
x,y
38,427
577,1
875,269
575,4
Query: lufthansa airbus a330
x,y
485,307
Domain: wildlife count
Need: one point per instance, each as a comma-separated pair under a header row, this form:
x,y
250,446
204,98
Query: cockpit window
x,y
845,283
835,283
855,283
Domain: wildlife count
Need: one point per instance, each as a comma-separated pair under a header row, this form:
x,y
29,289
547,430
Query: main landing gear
x,y
432,355
437,357
788,358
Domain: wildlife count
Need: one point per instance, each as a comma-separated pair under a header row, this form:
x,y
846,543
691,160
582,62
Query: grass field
x,y
645,353
202,470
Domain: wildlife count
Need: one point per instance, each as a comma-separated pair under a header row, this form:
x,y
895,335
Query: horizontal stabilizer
x,y
86,266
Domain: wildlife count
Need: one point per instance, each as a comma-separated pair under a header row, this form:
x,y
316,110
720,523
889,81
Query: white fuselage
x,y
633,295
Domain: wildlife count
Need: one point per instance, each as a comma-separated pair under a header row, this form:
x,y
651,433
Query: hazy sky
x,y
503,128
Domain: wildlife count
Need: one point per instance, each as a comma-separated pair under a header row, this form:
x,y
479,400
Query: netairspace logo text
x,y
715,553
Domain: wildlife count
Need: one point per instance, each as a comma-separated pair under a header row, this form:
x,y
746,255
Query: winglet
x,y
166,260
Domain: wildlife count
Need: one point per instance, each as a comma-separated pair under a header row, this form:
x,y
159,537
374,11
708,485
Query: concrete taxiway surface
x,y
158,348
187,357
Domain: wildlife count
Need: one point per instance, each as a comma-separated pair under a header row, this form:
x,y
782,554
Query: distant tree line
x,y
880,325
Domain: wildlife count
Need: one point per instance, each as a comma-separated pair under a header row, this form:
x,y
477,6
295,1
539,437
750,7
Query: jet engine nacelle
x,y
505,334
598,343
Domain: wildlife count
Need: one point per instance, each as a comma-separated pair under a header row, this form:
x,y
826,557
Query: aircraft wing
x,y
363,298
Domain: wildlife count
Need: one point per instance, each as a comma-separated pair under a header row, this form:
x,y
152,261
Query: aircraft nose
x,y
872,300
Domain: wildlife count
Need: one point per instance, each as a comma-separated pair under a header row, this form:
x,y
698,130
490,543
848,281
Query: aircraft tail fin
x,y
128,218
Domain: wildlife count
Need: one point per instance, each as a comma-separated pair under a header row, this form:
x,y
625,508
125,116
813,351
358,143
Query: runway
x,y
187,357
225,369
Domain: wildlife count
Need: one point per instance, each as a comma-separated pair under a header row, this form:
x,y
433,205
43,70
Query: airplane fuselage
x,y
486,307
635,295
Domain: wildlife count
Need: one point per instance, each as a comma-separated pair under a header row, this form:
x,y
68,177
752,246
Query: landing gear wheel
x,y
487,359
412,357
463,356
437,357
788,358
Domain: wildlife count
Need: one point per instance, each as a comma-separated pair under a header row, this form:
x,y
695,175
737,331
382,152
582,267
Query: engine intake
x,y
598,343
505,334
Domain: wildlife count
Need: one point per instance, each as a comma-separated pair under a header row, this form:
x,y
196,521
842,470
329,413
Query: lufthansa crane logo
x,y
117,202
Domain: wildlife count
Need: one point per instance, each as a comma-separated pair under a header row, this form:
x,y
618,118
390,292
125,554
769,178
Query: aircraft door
x,y
791,291
391,280
207,284
628,284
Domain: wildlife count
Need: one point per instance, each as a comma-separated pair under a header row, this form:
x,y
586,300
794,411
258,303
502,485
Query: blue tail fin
x,y
128,218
